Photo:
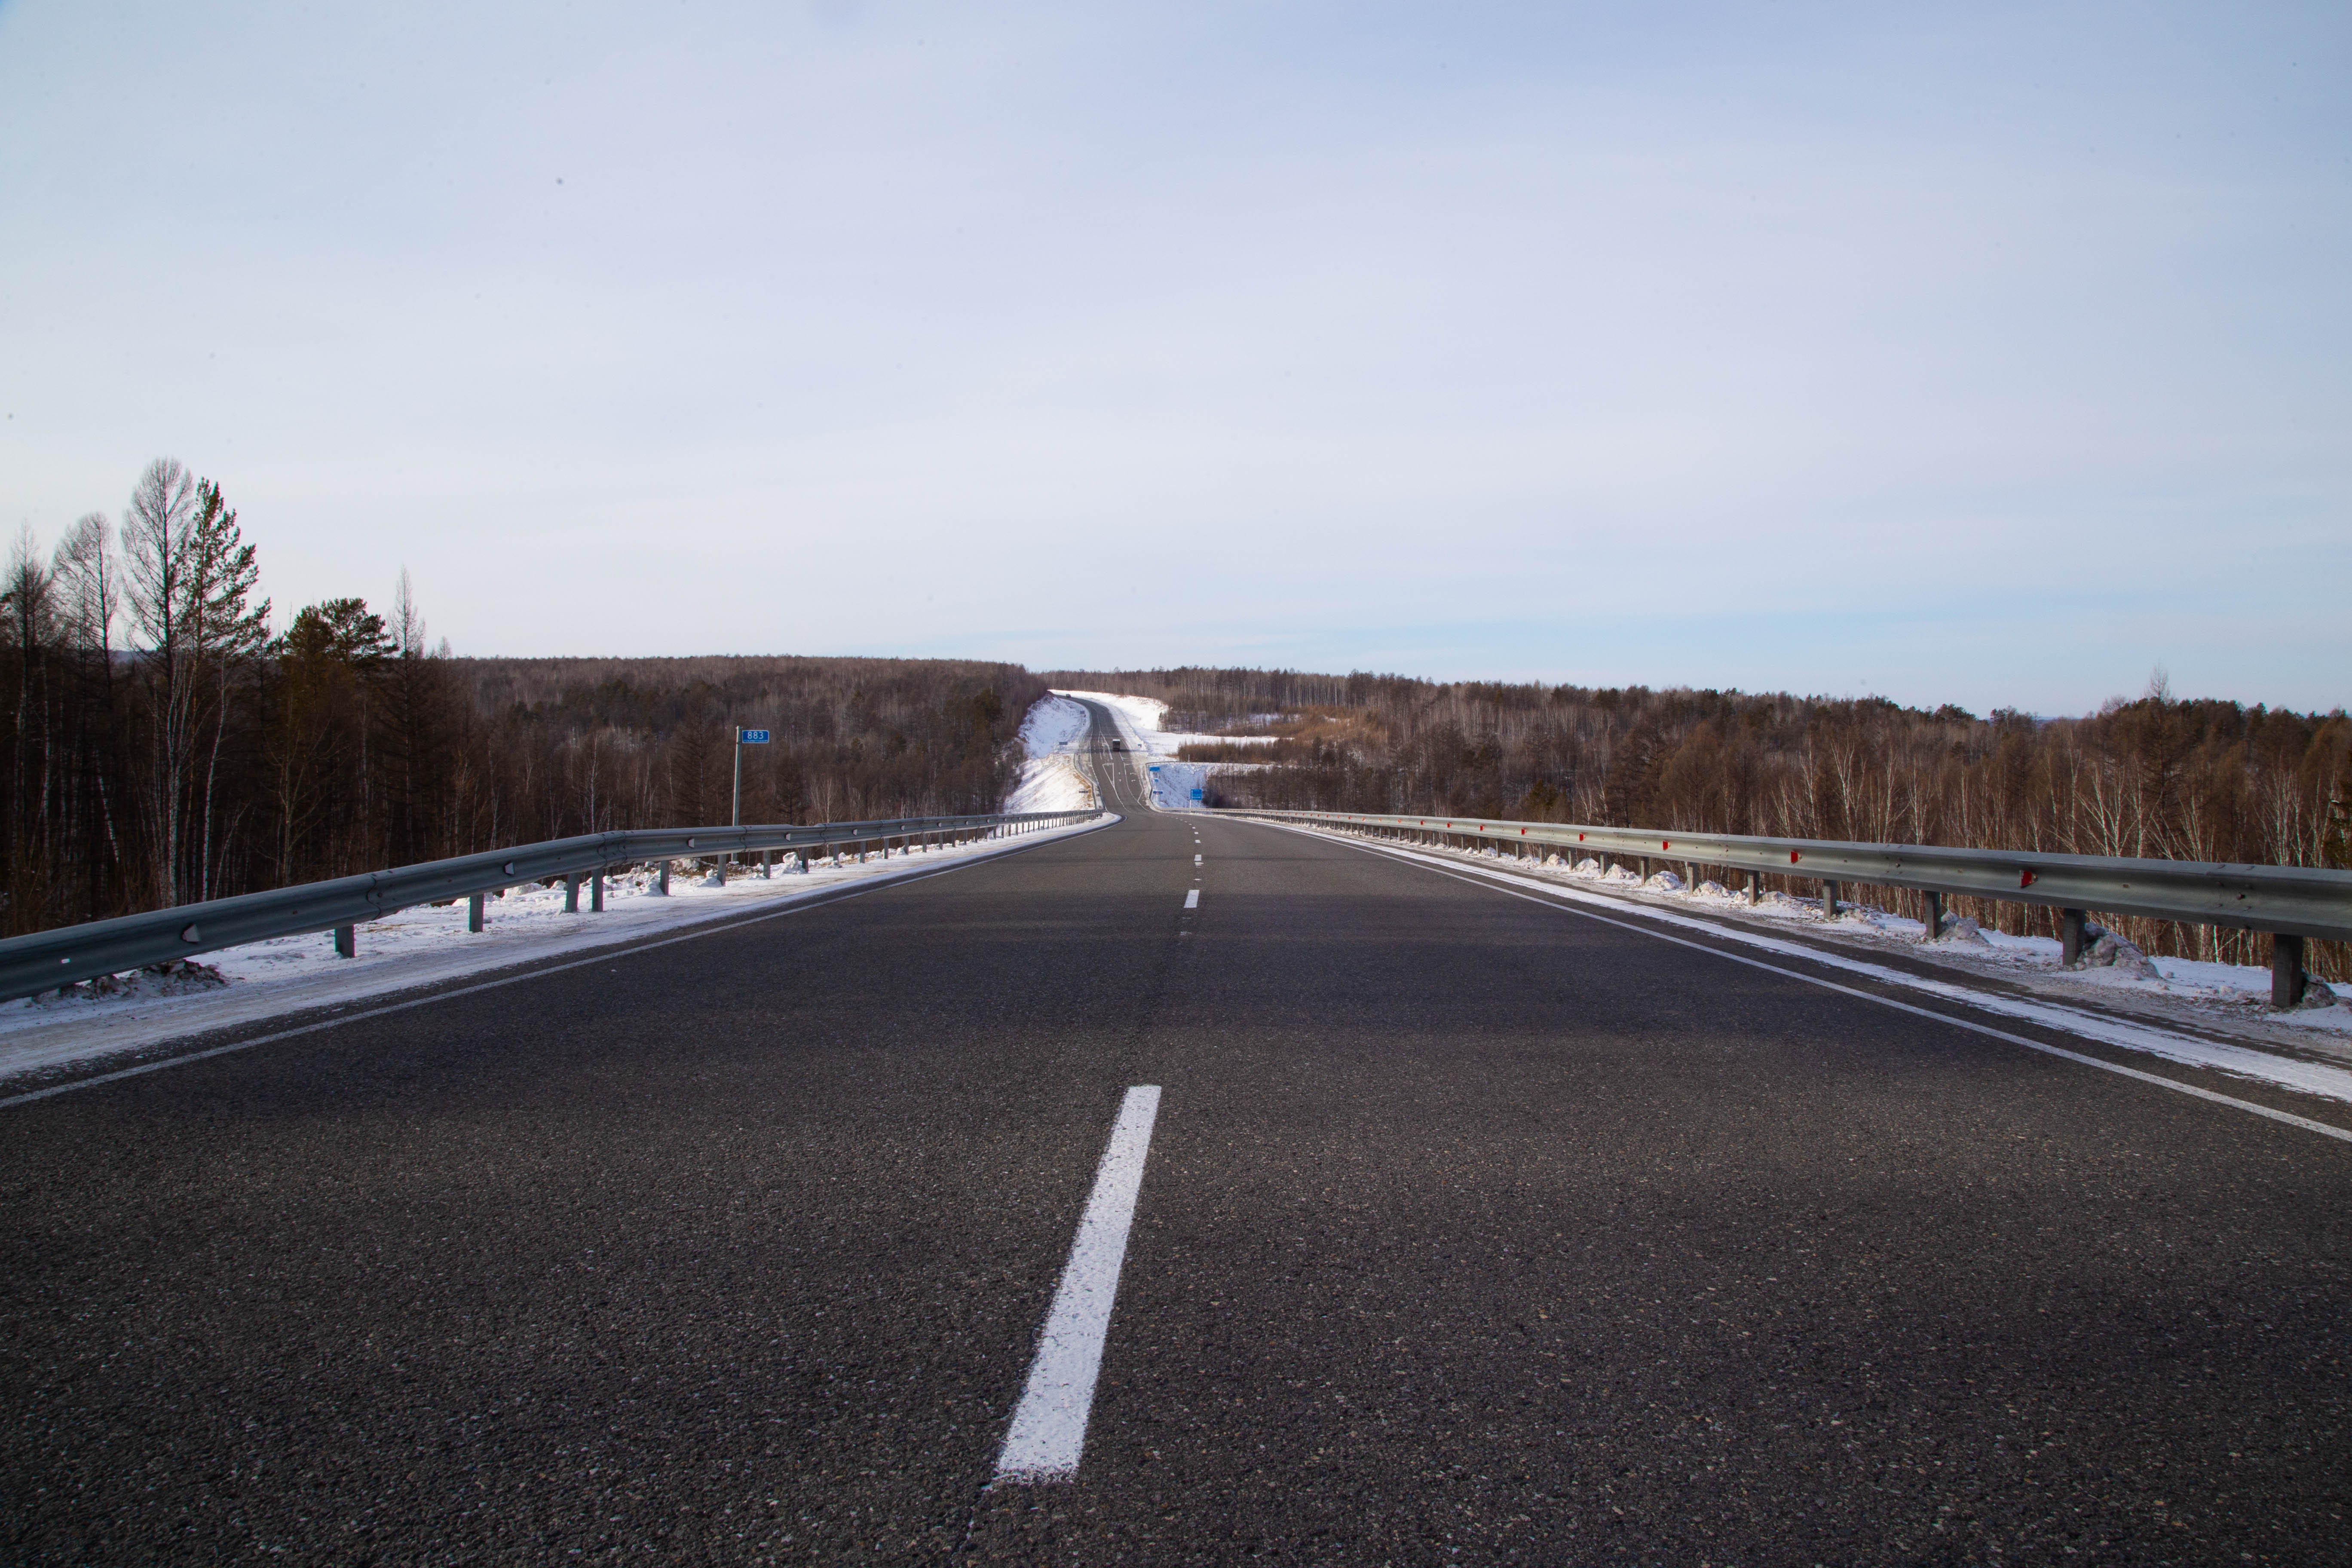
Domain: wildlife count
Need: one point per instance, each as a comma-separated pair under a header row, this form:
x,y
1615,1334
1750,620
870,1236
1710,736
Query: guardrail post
x,y
1828,900
1755,886
596,892
766,874
2069,937
571,892
661,878
474,912
1934,917
2287,978
347,941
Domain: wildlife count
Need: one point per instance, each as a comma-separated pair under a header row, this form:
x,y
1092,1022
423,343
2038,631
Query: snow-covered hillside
x,y
1052,780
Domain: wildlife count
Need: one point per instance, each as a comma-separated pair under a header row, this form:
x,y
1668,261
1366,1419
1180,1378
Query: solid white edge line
x,y
717,924
1049,1426
2306,1124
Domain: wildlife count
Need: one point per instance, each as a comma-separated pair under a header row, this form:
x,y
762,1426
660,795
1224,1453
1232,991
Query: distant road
x,y
1469,1229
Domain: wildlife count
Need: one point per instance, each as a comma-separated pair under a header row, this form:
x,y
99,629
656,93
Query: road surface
x,y
1471,1229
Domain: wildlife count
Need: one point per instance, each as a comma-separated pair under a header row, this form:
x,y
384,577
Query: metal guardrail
x,y
2290,902
49,959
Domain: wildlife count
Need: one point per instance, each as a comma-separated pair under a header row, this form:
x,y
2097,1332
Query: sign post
x,y
743,738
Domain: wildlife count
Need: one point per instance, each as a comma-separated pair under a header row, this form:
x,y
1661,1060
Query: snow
x,y
1052,778
427,946
1051,784
1053,724
2236,983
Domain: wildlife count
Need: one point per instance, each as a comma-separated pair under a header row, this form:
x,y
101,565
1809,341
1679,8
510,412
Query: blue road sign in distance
x,y
752,737
1196,794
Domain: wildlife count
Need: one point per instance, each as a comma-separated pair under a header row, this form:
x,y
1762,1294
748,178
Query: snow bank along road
x,y
1462,1227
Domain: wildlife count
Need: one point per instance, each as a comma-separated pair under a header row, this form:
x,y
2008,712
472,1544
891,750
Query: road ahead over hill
x,y
1471,1230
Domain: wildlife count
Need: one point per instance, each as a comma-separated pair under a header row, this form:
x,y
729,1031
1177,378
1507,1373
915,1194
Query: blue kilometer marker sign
x,y
752,737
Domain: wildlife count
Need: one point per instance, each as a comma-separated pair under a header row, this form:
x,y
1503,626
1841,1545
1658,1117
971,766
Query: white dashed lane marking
x,y
1049,1428
1192,899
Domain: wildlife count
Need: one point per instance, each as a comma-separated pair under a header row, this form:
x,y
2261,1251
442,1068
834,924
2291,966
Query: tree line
x,y
2154,776
167,745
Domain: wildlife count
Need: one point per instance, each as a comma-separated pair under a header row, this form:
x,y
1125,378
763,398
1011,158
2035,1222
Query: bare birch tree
x,y
89,596
155,552
190,578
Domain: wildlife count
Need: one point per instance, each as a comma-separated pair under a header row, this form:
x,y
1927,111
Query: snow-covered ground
x,y
1172,783
427,946
1052,778
2236,983
1054,724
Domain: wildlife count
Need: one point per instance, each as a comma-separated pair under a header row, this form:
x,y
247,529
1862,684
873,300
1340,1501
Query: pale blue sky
x,y
1975,355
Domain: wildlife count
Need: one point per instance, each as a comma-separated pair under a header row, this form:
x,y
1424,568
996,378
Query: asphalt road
x,y
1472,1230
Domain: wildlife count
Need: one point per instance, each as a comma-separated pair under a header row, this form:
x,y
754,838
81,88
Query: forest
x,y
2152,775
167,745
173,739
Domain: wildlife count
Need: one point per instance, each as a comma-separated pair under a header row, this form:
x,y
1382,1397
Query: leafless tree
x,y
28,594
190,578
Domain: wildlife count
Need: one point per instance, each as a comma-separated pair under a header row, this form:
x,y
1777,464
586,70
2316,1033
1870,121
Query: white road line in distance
x,y
1482,879
1049,1427
1192,899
